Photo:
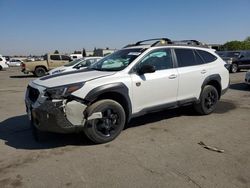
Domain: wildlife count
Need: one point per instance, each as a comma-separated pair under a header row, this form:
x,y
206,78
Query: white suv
x,y
138,79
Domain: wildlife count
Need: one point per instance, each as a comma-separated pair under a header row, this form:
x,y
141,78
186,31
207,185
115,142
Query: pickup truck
x,y
40,68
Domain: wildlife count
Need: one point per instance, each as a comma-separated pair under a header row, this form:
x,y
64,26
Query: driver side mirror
x,y
146,69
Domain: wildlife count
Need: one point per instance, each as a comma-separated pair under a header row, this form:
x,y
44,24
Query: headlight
x,y
62,91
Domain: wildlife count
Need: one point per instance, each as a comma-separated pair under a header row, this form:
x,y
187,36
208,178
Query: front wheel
x,y
109,126
208,100
234,68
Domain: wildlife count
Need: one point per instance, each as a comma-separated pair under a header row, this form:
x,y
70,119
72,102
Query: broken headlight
x,y
61,92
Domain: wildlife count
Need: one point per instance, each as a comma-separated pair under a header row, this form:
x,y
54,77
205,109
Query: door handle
x,y
172,76
204,71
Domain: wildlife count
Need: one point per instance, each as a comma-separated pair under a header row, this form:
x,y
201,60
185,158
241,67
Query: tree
x,y
247,39
237,45
84,53
56,52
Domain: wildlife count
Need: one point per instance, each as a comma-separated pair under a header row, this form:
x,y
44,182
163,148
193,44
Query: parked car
x,y
75,56
247,78
14,62
41,68
236,59
75,65
3,63
138,79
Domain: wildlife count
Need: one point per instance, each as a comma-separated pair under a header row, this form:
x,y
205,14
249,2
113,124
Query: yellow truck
x,y
40,68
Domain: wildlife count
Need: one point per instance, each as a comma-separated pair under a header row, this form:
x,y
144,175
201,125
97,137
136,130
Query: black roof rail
x,y
156,39
190,42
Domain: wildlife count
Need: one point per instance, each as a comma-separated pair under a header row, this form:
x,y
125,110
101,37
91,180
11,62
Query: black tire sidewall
x,y
205,91
1,68
90,127
37,73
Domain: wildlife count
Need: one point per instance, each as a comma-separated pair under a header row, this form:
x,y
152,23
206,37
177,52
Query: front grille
x,y
33,93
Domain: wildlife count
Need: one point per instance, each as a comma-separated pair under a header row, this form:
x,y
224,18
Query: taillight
x,y
22,65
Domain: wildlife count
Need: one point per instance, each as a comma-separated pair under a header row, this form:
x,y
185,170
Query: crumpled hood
x,y
70,77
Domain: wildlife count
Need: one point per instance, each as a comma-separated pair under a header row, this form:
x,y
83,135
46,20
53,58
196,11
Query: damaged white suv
x,y
138,79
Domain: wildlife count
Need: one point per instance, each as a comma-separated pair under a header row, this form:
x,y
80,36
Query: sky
x,y
37,27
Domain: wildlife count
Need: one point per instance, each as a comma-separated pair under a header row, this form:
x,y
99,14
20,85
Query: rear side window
x,y
64,57
206,56
185,57
55,57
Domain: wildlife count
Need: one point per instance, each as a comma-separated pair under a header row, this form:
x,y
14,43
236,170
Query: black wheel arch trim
x,y
213,77
117,87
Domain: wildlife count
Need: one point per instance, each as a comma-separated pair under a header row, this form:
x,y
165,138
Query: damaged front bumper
x,y
57,116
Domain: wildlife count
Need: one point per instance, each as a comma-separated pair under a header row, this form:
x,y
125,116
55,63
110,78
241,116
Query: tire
x,y
208,100
109,126
234,68
1,68
40,71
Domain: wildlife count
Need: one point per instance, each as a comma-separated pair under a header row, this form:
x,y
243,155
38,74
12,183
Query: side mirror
x,y
241,56
145,69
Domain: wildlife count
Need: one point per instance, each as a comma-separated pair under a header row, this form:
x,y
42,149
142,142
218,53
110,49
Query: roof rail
x,y
156,39
190,42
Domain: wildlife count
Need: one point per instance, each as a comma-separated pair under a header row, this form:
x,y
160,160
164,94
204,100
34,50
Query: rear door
x,y
64,59
244,60
54,61
192,72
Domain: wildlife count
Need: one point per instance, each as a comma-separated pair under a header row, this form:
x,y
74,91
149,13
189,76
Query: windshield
x,y
118,60
69,64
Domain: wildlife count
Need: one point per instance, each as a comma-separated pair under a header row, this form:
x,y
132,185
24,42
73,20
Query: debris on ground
x,y
211,148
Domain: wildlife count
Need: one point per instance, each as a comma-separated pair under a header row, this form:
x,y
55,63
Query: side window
x,y
185,57
161,59
206,56
198,58
64,57
55,57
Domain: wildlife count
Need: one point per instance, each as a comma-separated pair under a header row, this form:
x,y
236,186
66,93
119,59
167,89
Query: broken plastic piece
x,y
96,115
211,148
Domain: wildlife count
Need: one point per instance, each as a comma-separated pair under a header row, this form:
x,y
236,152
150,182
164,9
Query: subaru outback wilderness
x,y
138,79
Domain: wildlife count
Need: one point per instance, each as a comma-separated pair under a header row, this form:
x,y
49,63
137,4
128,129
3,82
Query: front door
x,y
153,90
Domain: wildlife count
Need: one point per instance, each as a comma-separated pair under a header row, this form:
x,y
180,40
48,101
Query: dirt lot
x,y
156,150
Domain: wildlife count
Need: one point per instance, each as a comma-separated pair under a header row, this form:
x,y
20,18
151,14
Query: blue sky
x,y
36,27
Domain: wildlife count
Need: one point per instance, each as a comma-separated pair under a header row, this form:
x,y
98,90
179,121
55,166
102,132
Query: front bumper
x,y
60,116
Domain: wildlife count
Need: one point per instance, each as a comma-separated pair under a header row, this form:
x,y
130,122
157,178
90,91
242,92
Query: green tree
x,y
83,52
247,39
56,52
237,45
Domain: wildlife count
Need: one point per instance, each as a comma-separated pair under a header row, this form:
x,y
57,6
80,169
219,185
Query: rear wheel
x,y
1,67
208,100
109,126
234,68
40,71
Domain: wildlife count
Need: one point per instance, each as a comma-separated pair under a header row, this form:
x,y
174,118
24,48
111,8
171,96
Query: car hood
x,y
71,77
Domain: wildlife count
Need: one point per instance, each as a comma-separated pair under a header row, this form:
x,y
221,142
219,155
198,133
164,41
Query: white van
x,y
75,56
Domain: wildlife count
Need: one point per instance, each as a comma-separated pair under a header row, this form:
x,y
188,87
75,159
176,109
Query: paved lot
x,y
156,150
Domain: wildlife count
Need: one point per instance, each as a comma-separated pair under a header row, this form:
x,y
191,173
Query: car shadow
x,y
24,76
16,132
240,86
223,106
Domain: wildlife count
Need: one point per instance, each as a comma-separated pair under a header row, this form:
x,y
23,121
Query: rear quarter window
x,y
206,56
185,57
